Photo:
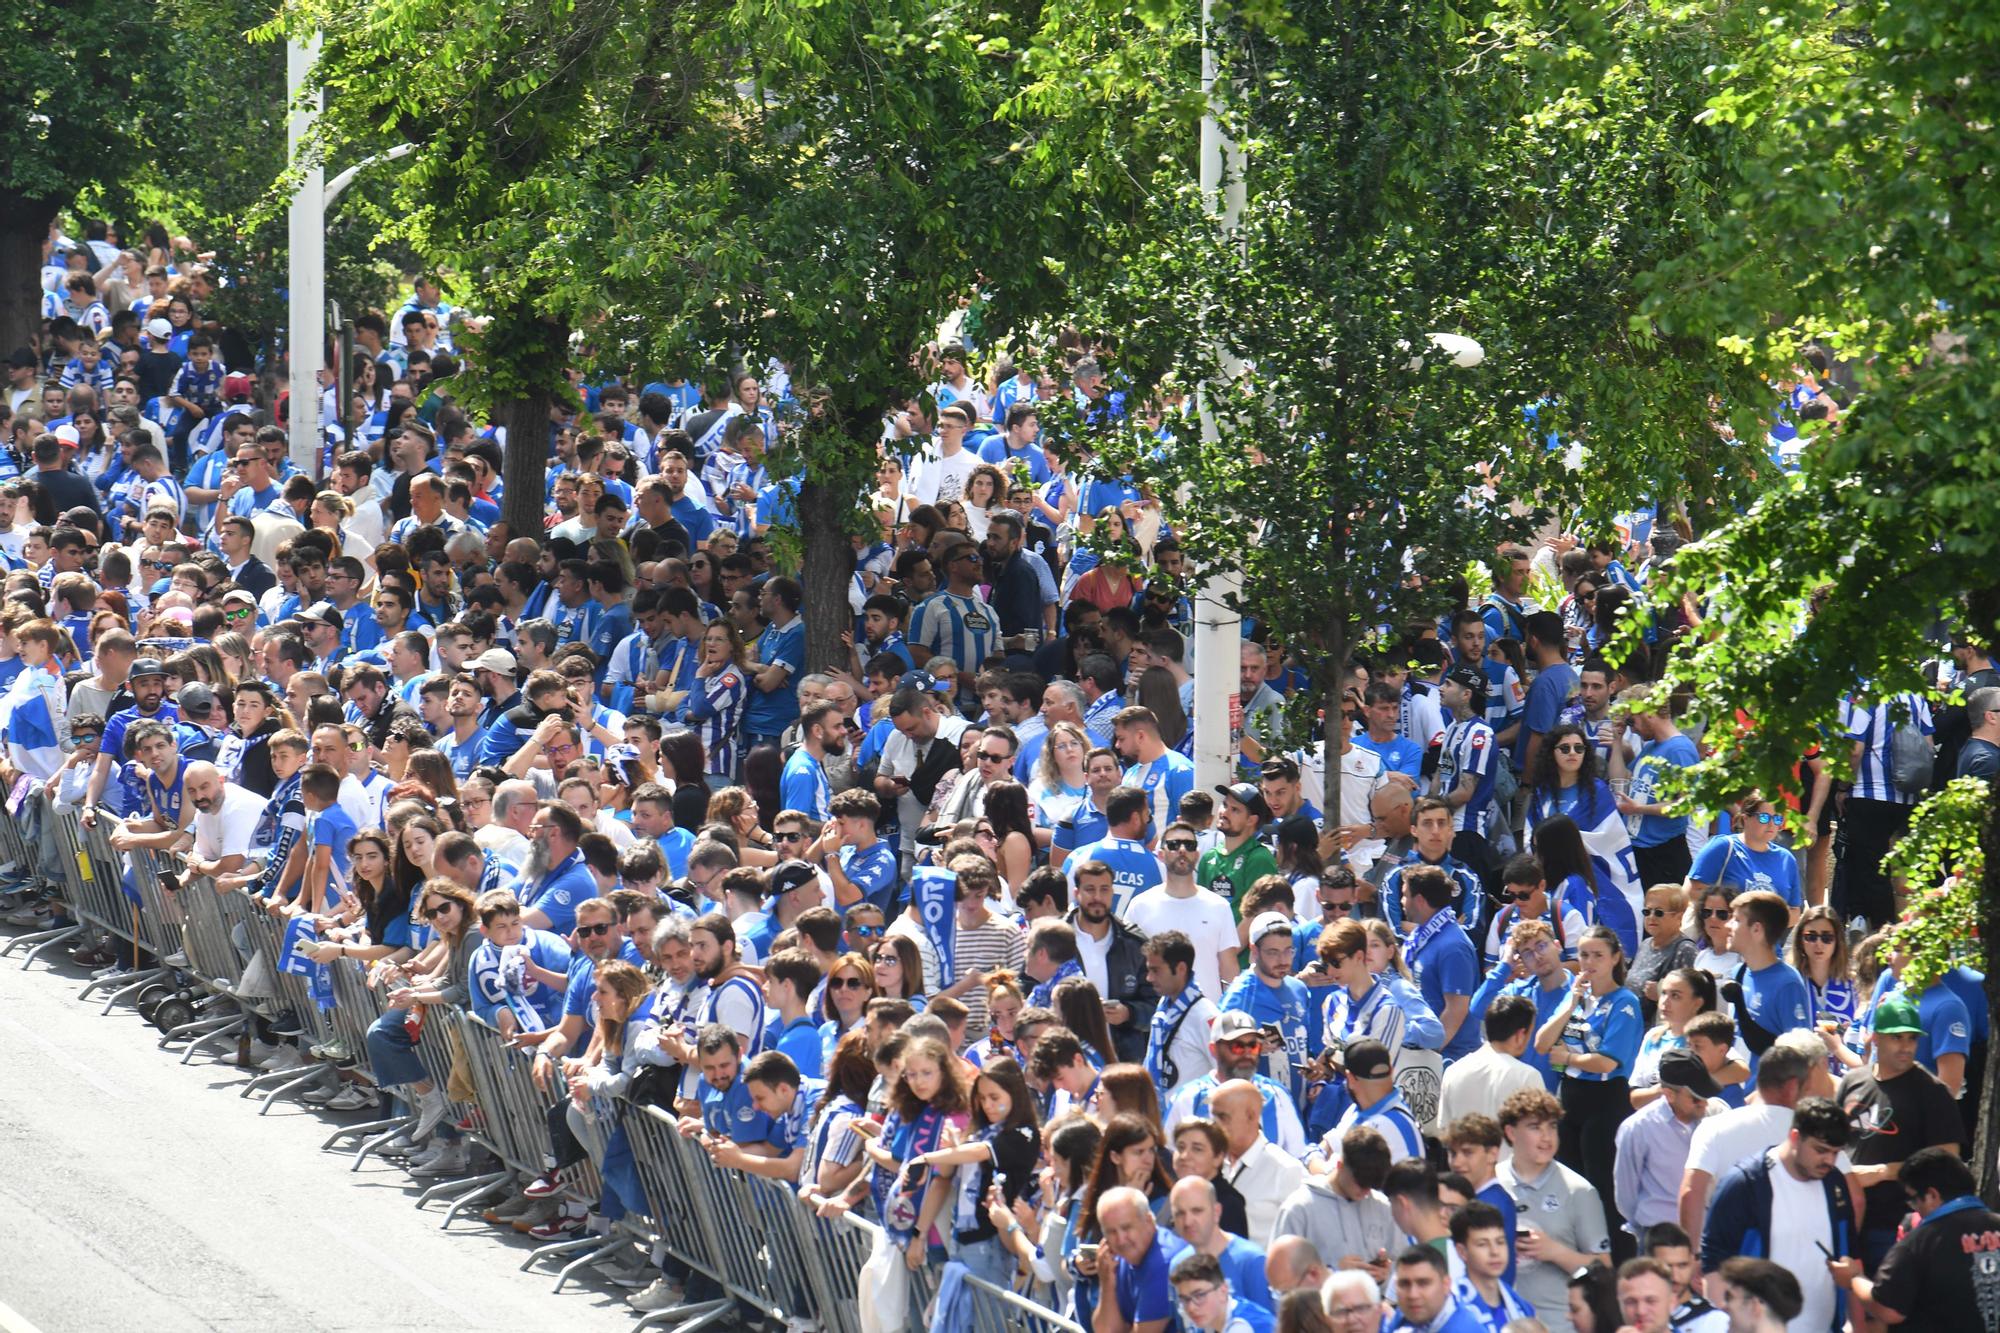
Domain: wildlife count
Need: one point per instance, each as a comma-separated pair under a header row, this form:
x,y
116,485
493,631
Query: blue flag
x,y
934,893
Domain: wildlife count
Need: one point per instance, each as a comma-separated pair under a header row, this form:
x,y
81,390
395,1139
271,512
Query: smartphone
x,y
1086,1254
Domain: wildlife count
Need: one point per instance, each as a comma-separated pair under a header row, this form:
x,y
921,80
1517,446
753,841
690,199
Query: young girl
x,y
1709,924
1004,1001
1003,1149
928,1096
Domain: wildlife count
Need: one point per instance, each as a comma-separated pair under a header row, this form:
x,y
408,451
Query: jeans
x,y
393,1057
989,1261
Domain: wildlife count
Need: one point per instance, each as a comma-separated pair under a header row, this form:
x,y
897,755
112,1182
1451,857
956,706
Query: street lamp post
x,y
306,227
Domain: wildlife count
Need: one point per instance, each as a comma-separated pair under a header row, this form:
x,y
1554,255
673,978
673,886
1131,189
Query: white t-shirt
x,y
1721,1141
1204,918
228,831
1799,1227
942,478
1092,956
1360,777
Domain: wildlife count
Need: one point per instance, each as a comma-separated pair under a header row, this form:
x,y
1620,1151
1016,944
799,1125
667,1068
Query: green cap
x,y
1897,1013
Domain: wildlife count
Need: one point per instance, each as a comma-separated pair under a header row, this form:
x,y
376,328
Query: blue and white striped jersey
x,y
1873,728
1468,746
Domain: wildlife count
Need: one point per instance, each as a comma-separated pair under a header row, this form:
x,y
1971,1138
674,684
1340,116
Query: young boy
x,y
1523,896
1475,1142
196,394
320,857
1712,1037
790,978
1485,1244
284,814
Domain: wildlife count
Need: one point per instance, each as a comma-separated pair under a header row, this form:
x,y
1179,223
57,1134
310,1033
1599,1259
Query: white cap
x,y
159,328
67,434
1266,924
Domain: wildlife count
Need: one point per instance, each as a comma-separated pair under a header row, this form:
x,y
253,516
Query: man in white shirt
x,y
225,819
1178,903
1263,1174
1792,1068
507,836
1484,1079
941,474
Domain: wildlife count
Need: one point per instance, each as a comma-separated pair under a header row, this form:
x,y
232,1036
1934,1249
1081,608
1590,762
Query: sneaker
x,y
540,1212
335,1051
322,1095
664,1294
400,1146
353,1097
259,1052
94,956
33,918
287,1058
112,969
176,960
451,1160
503,1213
545,1186
568,1221
431,1111
631,1275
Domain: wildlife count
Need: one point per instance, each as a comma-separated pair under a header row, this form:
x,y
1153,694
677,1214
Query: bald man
x,y
225,819
1138,1297
1198,1221
1294,1265
1263,1173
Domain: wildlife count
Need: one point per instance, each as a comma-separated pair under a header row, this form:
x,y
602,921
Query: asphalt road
x,y
142,1194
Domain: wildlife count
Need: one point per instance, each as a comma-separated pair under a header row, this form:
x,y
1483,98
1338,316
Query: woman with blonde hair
x,y
1424,1031
1058,785
1662,946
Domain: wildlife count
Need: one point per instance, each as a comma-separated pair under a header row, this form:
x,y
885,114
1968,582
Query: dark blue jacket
x,y
1739,1220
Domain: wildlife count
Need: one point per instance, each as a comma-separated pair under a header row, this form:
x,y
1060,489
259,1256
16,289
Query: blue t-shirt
x,y
1494,1194
1776,999
1546,698
769,712
332,828
1613,1026
1448,964
804,786
798,1039
559,891
1287,1006
1085,826
1243,1268
1655,757
1165,781
1732,863
728,1113
1946,1021
1133,868
1398,754
1144,1293
874,871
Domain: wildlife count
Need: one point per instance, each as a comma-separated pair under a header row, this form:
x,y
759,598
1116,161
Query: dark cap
x,y
920,680
146,666
1684,1069
789,875
1469,675
1247,795
1368,1058
1280,766
195,698
326,613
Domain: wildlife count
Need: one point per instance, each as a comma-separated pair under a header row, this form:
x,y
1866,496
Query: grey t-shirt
x,y
1561,1205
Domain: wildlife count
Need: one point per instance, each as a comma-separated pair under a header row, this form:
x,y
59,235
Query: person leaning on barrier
x,y
787,1100
721,1111
166,814
441,974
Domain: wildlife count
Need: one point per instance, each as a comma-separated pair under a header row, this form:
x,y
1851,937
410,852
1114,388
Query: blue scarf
x,y
1427,932
1042,995
1166,1019
900,1194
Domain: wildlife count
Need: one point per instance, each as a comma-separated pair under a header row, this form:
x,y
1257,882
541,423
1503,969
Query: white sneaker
x,y
352,1097
288,1057
260,1051
664,1294
322,1096
431,1111
450,1161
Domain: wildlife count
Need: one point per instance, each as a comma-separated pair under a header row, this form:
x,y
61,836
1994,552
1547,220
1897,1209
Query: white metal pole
x,y
306,280
1218,630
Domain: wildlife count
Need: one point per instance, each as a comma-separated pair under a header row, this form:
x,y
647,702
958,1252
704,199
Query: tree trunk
x,y
826,567
523,355
1333,725
24,225
1986,1146
525,464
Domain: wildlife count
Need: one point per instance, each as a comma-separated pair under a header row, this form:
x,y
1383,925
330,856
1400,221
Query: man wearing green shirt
x,y
1234,864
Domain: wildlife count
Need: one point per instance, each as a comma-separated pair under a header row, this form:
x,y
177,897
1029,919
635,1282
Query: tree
x,y
74,119
1859,216
1406,176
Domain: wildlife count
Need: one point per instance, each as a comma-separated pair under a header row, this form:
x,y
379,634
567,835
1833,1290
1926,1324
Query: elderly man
x,y
1353,1302
1139,1296
1294,1265
555,879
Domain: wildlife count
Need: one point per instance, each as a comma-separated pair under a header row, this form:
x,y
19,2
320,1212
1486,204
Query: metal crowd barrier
x,y
761,1247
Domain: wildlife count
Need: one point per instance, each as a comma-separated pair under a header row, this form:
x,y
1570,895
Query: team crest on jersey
x,y
729,680
1478,740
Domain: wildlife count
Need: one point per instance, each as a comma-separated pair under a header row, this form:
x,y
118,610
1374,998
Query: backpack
x,y
1911,758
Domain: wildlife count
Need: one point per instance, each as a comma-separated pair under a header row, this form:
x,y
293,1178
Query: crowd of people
x,y
943,933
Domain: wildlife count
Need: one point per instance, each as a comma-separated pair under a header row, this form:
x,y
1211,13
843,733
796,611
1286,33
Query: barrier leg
x,y
298,1081
394,1129
451,1189
205,1031
689,1318
365,1130
613,1245
554,1248
42,943
485,1187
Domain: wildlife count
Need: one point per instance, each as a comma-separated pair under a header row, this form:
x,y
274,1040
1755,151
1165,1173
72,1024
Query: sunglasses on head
x,y
601,928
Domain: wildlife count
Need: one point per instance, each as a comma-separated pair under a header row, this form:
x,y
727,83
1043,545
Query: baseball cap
x,y
159,328
239,595
789,875
237,386
195,698
1281,767
920,680
1247,795
1897,1013
67,434
1367,1058
500,660
1470,676
1230,1025
1684,1069
146,666
326,613
1267,924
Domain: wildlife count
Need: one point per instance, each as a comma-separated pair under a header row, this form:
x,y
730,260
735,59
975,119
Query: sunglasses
x,y
1768,817
1714,913
247,613
881,958
1569,748
601,928
796,835
1180,844
865,932
433,913
988,757
846,983
1816,937
1516,895
85,737
1651,912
